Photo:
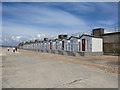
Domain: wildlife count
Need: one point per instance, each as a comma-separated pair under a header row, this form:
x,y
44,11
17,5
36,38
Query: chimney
x,y
45,39
98,31
62,36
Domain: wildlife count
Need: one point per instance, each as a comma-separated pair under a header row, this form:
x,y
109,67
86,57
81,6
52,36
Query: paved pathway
x,y
22,70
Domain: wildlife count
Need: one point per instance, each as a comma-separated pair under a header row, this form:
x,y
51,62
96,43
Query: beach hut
x,y
47,45
59,44
44,45
24,46
40,45
90,43
33,46
56,47
36,45
53,45
66,44
74,43
30,45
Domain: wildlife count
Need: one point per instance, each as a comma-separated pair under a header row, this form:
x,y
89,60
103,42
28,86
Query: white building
x,y
74,43
91,43
66,44
86,43
59,44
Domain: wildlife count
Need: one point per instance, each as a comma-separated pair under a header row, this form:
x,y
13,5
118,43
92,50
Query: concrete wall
x,y
111,44
111,38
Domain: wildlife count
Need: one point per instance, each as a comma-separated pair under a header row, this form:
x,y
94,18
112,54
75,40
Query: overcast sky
x,y
27,21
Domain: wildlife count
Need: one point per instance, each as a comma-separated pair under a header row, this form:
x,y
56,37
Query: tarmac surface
x,y
22,70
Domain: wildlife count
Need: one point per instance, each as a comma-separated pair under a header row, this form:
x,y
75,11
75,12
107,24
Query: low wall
x,y
90,53
70,53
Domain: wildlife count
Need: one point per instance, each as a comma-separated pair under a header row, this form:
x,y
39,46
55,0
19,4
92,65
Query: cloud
x,y
29,21
15,40
42,16
45,20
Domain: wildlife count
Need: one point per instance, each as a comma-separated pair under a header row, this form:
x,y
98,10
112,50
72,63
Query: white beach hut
x,y
66,44
42,45
59,44
91,43
53,45
74,43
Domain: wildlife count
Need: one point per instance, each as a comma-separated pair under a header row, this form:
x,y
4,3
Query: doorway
x,y
83,44
72,45
50,45
62,45
79,46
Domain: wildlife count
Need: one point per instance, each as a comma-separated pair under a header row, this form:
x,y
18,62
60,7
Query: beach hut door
x,y
50,45
72,45
62,45
79,46
83,44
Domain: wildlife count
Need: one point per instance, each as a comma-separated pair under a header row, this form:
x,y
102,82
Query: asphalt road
x,y
22,70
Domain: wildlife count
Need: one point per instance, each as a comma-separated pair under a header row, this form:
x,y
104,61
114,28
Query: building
x,y
74,43
91,43
111,41
86,43
98,32
53,45
66,43
59,44
83,45
61,36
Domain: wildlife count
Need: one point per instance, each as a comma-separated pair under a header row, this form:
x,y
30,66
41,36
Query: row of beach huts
x,y
84,45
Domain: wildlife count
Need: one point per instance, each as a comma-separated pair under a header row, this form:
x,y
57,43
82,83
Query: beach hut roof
x,y
74,37
89,36
84,35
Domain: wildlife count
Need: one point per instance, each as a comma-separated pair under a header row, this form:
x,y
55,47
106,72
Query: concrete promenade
x,y
26,70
